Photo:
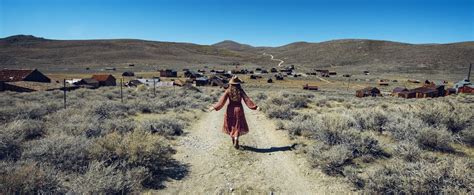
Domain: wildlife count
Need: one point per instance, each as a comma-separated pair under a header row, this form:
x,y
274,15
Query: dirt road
x,y
264,164
271,57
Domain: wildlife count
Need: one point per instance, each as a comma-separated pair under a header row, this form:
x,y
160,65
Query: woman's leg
x,y
236,142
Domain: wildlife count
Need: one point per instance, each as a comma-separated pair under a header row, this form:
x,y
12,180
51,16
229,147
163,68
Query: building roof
x,y
399,89
38,86
102,77
424,90
90,80
9,75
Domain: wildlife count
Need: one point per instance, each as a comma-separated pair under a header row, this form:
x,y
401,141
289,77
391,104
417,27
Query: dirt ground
x,y
265,163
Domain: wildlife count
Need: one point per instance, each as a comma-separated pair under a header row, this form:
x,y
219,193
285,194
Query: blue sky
x,y
255,22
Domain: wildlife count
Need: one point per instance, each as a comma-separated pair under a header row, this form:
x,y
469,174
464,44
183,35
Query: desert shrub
x,y
404,128
408,151
68,153
120,125
305,125
467,136
371,119
28,177
435,139
278,100
260,97
134,149
279,125
100,178
448,114
298,102
166,126
108,110
26,129
423,177
279,112
10,145
330,159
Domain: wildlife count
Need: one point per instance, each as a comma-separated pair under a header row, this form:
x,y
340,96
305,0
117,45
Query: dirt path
x,y
271,58
265,163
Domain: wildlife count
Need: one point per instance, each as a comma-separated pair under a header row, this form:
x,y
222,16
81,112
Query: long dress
x,y
234,119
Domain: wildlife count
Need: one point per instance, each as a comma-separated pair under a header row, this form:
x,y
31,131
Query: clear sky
x,y
255,22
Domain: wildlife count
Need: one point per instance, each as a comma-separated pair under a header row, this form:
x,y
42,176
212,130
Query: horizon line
x,y
230,40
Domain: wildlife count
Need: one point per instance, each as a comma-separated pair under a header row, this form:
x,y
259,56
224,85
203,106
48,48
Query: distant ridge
x,y
33,52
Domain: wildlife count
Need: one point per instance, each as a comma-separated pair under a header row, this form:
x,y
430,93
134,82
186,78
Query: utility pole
x,y
348,83
121,91
469,73
64,89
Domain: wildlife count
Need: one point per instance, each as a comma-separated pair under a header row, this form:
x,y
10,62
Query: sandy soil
x,y
264,164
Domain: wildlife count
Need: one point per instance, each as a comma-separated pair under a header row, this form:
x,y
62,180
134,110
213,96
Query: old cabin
x,y
105,79
21,80
128,74
168,73
310,87
192,74
368,92
88,83
201,81
425,92
397,90
273,70
14,75
407,94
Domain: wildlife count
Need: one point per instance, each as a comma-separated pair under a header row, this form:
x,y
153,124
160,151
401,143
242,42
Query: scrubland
x,y
97,144
100,145
381,145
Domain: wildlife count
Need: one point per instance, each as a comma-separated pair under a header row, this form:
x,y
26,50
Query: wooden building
x,y
368,92
15,75
168,73
105,79
310,87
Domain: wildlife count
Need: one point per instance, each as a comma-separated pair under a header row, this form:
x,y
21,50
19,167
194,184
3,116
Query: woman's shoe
x,y
236,144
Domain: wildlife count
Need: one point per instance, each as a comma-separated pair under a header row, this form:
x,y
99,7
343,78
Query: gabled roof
x,y
399,89
102,77
90,81
424,90
9,75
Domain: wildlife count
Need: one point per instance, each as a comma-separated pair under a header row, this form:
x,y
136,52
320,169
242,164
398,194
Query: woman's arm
x,y
248,101
221,102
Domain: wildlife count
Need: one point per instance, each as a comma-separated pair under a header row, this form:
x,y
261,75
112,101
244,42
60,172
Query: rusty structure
x,y
168,73
105,79
310,87
368,92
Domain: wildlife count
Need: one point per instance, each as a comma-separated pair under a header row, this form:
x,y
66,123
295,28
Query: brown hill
x,y
378,54
72,55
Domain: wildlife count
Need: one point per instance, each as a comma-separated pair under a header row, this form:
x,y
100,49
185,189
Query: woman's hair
x,y
235,92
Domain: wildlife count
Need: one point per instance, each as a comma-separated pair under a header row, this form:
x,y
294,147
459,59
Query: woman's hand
x,y
258,108
210,109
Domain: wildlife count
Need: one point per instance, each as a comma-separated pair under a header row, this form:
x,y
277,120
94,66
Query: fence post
x,y
154,87
121,92
64,89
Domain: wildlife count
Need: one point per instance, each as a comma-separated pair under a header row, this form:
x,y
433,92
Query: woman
x,y
234,119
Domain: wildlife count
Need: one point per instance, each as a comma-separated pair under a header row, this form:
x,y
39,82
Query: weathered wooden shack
x,y
14,75
368,92
168,73
105,79
310,87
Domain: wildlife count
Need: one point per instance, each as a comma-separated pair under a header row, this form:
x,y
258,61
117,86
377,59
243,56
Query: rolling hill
x,y
69,55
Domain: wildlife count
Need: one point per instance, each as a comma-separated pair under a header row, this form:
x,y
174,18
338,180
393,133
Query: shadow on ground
x,y
268,150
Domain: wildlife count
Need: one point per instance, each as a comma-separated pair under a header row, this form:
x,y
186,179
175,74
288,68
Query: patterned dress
x,y
234,119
